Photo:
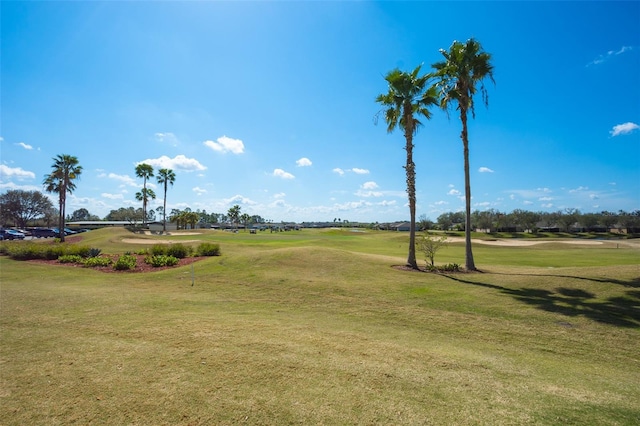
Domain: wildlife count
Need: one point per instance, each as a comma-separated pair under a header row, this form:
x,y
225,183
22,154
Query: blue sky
x,y
270,105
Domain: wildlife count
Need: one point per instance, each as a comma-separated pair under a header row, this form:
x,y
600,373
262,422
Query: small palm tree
x,y
460,75
145,195
407,99
144,171
66,170
165,177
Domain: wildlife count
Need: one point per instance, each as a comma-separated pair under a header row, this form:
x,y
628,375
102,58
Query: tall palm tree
x,y
65,170
165,177
144,171
459,76
408,98
145,195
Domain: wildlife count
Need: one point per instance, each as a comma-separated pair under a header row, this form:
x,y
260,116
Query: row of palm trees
x,y
165,177
66,169
454,81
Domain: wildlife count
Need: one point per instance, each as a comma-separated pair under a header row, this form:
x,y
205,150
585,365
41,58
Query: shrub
x,y
142,251
158,250
125,262
94,252
178,250
26,251
161,260
70,258
97,261
208,249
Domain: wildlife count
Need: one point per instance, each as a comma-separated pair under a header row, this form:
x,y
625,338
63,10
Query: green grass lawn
x,y
317,327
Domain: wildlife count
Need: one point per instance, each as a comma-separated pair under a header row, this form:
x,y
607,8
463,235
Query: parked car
x,y
67,231
11,234
43,233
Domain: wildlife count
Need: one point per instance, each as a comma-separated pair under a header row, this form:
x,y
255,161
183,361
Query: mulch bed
x,y
141,266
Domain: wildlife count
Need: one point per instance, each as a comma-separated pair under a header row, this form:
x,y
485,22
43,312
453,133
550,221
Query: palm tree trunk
x,y
411,192
164,210
63,201
468,263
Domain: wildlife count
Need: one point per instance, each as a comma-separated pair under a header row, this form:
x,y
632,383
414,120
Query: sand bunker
x,y
154,241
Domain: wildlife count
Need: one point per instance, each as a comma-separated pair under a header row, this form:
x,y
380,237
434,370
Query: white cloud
x,y
369,185
441,203
611,53
125,179
239,199
623,129
282,174
167,137
15,172
112,196
485,170
338,170
578,189
360,171
279,195
361,193
25,146
179,162
199,190
453,192
303,162
225,144
545,199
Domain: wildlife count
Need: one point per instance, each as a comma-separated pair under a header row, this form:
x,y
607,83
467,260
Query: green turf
x,y
317,327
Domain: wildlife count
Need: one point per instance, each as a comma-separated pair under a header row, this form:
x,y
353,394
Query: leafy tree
x,y
430,245
21,206
165,177
234,214
145,195
608,219
144,171
408,98
526,219
424,223
464,68
568,218
65,170
245,219
129,214
82,214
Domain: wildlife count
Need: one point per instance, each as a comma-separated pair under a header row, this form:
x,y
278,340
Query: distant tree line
x,y
567,220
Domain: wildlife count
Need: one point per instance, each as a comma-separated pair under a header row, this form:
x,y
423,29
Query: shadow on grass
x,y
621,311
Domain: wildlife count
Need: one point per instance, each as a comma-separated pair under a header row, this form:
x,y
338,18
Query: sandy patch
x,y
154,241
523,243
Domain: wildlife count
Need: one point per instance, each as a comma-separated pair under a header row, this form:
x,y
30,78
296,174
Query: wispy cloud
x,y
15,173
360,171
179,162
112,196
485,170
623,129
338,170
282,174
304,162
199,190
610,54
124,179
25,146
167,137
369,185
225,144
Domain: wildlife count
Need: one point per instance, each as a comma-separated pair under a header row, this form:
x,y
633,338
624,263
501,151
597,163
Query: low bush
x,y
160,260
70,258
125,262
449,267
97,261
94,252
208,249
178,250
158,250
